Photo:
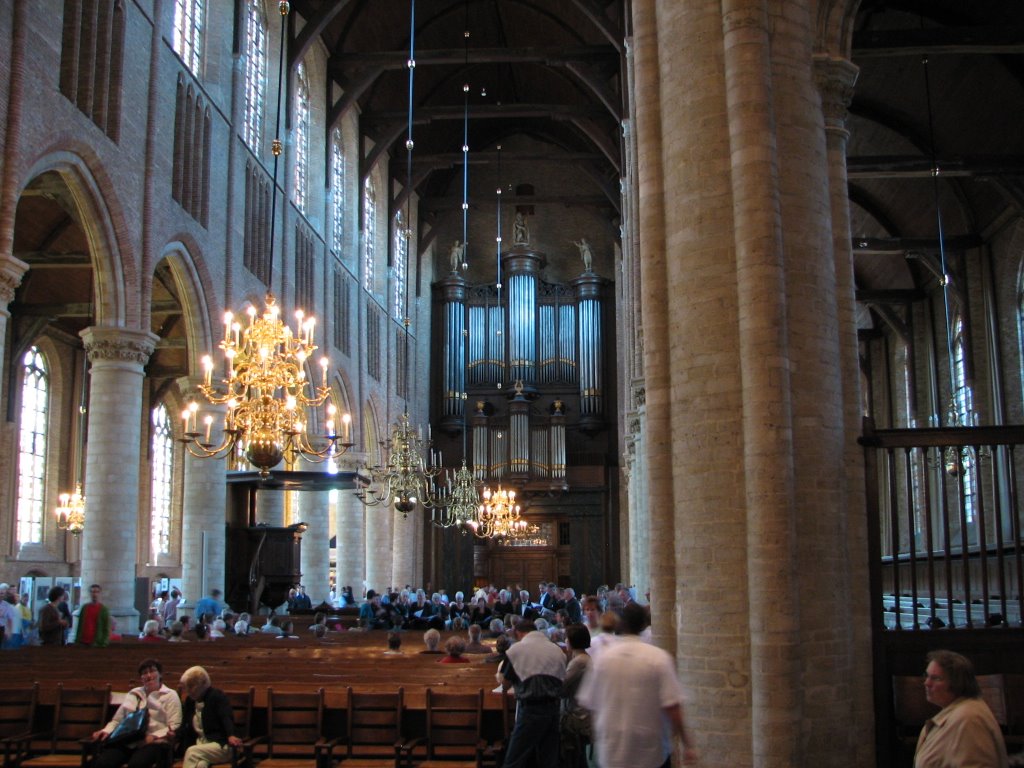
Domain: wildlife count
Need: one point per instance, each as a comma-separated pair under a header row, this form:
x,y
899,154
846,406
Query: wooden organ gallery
x,y
522,371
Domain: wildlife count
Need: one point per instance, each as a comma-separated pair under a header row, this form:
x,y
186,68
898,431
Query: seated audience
x,y
474,645
431,639
151,632
165,718
394,643
177,630
210,736
455,647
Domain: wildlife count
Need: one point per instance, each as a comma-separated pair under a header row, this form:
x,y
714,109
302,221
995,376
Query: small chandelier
x,y
524,534
497,516
401,476
460,501
266,393
71,511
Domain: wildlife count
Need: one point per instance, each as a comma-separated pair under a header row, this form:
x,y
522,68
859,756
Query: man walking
x,y
637,700
536,668
93,627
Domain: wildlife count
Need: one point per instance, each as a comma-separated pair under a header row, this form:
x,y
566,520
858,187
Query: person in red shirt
x,y
93,626
455,647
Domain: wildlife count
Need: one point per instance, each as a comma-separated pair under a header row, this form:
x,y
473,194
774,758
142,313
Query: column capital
x,y
835,79
118,345
11,272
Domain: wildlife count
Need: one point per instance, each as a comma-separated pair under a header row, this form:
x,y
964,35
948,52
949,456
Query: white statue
x,y
456,254
520,232
585,253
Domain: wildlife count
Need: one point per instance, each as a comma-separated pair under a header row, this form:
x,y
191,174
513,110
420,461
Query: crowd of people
x,y
591,689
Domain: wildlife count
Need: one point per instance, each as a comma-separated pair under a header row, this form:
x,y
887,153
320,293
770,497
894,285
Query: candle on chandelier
x,y
209,423
324,362
346,422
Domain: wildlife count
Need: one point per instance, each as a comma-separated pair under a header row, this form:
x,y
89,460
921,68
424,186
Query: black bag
x,y
133,727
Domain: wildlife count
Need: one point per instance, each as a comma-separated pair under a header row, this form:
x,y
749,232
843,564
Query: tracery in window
x,y
32,429
188,32
369,232
162,484
338,189
255,74
301,179
401,258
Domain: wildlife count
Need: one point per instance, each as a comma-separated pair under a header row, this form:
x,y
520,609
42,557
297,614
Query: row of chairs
x,y
375,734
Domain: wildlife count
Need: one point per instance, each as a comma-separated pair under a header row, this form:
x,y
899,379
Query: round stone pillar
x,y
110,541
407,536
350,542
11,272
313,509
379,543
270,507
204,504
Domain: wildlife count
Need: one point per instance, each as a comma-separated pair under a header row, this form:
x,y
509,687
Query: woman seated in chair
x,y
164,720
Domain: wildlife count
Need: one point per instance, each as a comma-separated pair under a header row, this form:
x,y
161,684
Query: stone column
x,y
109,543
270,507
379,544
313,509
11,272
407,535
204,509
350,562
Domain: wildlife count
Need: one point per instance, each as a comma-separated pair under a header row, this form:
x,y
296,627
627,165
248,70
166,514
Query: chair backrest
x,y
17,710
77,714
241,711
294,721
374,720
911,708
454,722
993,691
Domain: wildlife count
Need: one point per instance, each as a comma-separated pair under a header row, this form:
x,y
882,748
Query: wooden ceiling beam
x,y
900,246
918,167
959,41
344,63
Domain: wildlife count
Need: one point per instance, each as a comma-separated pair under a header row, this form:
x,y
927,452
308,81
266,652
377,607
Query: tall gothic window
x,y
963,400
369,232
188,32
35,390
255,74
162,463
338,189
301,138
401,259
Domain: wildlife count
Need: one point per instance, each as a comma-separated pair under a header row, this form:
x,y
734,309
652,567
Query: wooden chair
x,y
454,737
294,737
373,736
911,711
77,714
993,691
17,714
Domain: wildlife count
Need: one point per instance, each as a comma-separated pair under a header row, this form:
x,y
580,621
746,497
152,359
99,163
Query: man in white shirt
x,y
637,700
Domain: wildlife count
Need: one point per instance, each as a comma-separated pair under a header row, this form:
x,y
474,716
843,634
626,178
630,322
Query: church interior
x,y
722,300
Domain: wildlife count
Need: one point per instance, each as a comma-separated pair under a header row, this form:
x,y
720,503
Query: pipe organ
x,y
529,359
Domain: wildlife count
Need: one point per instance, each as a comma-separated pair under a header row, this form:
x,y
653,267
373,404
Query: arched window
x,y
963,400
338,190
32,427
401,258
255,74
369,232
188,32
162,484
301,137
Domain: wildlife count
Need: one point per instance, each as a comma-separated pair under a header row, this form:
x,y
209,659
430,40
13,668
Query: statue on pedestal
x,y
586,254
456,255
520,231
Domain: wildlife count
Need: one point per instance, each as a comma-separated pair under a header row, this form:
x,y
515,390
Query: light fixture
x,y
71,511
265,387
498,516
401,477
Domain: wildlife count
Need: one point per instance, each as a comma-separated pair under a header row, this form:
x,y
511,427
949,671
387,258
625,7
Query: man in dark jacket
x,y
215,739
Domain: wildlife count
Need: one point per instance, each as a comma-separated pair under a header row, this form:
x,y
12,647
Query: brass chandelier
x,y
498,516
265,387
71,511
266,392
401,476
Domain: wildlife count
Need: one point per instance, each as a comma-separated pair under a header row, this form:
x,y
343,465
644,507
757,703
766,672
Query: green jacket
x,y
102,638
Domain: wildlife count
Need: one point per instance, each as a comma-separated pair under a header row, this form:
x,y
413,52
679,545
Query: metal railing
x,y
944,516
